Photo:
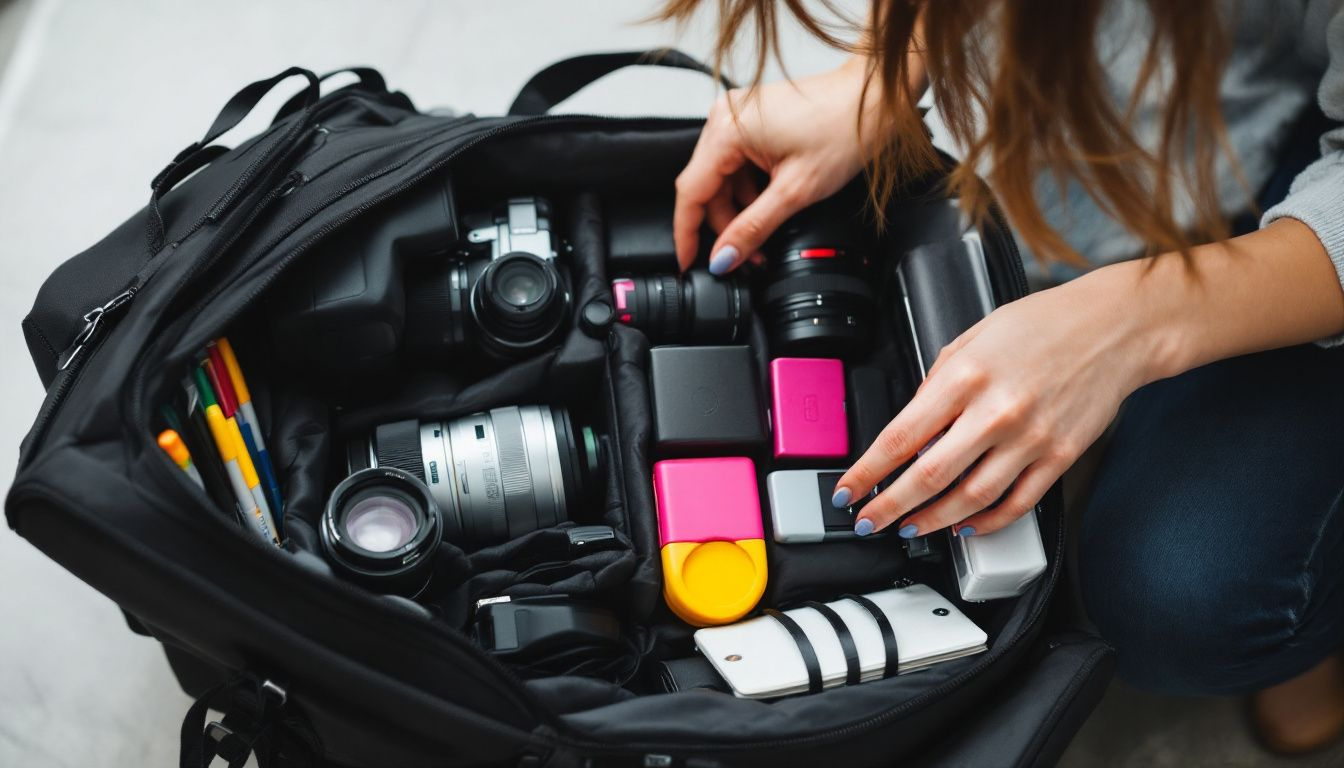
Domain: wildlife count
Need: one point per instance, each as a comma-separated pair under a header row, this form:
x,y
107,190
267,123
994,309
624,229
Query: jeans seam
x,y
1308,577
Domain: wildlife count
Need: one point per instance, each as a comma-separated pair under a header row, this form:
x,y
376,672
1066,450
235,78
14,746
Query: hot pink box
x,y
807,408
703,500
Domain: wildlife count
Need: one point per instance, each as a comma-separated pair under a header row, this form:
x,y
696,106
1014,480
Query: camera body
x,y
408,285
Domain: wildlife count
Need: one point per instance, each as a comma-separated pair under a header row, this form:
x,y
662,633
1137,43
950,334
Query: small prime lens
x,y
495,475
381,528
819,301
692,308
520,303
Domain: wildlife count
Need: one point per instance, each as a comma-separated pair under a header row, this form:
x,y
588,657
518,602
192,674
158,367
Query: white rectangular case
x,y
760,660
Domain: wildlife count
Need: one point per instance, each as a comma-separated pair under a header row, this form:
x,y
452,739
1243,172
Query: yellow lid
x,y
715,582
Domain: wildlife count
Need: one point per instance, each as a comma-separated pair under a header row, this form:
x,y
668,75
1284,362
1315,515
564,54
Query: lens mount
x,y
381,527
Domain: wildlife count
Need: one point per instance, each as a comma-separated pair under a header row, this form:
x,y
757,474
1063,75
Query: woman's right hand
x,y
803,133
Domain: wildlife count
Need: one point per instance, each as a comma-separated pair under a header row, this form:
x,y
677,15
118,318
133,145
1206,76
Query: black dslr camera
x,y
413,284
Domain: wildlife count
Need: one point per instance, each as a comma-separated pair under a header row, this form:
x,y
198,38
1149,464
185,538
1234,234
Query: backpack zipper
x,y
93,320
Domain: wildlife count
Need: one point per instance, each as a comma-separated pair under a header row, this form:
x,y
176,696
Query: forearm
x,y
1272,288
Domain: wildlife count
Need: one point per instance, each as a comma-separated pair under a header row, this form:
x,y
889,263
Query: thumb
x,y
748,231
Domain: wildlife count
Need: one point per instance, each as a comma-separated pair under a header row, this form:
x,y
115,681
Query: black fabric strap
x,y
853,672
370,80
253,724
200,153
805,648
565,78
893,662
690,674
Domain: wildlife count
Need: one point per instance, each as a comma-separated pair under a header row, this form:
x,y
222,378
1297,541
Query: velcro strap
x,y
805,648
853,672
893,662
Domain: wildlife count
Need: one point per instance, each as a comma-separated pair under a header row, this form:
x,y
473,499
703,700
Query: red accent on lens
x,y
818,253
626,318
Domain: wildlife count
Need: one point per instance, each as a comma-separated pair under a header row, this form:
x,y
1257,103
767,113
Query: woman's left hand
x,y
1007,407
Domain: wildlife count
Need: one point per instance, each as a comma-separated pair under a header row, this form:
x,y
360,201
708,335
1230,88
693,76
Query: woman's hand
x,y
1015,400
803,133
1007,408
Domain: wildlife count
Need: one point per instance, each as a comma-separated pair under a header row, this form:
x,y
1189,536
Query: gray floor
x,y
96,96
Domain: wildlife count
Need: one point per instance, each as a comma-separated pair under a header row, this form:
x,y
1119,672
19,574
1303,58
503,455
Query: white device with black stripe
x,y
855,639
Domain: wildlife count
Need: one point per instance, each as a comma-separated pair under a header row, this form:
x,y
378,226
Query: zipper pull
x,y
92,322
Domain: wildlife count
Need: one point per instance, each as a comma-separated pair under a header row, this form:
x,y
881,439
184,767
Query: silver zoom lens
x,y
495,475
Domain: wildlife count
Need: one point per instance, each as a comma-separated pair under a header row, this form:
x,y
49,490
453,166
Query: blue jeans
x,y
1212,548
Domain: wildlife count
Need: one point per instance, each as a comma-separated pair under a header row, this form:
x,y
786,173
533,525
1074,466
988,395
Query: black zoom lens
x,y
519,303
381,528
695,307
819,301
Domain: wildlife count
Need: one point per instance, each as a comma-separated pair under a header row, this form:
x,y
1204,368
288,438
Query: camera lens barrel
x,y
381,527
495,475
819,301
694,307
437,309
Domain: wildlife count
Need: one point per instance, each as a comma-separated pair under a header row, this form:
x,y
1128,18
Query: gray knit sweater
x,y
1285,54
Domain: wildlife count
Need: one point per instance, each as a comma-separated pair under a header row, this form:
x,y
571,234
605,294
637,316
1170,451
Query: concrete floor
x,y
96,96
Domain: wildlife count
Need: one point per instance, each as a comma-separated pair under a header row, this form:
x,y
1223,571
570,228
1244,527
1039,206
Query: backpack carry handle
x,y
370,80
566,77
201,153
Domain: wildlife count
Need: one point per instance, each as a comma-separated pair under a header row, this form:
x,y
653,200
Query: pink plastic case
x,y
807,408
703,500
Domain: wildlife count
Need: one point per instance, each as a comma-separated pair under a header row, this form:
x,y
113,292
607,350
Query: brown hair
x,y
1033,100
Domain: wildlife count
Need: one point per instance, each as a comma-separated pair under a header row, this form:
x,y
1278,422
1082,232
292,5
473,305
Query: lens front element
x,y
381,527
380,523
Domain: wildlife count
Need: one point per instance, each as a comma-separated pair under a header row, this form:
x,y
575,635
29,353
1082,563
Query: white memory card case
x,y
823,646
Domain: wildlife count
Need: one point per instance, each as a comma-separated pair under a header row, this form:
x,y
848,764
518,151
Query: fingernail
x,y
723,260
840,499
863,527
909,531
966,531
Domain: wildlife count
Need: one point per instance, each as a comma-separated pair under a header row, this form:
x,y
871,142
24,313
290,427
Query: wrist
x,y
1141,315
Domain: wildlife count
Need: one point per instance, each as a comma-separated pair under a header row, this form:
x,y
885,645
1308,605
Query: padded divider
x,y
634,431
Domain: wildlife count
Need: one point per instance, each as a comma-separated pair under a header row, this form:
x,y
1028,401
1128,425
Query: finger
x,y
929,413
1030,488
716,156
937,468
982,487
757,259
749,230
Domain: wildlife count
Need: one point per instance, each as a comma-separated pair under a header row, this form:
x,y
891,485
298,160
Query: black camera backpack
x,y
310,670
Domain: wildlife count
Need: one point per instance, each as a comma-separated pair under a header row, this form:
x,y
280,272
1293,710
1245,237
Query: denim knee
x,y
1187,623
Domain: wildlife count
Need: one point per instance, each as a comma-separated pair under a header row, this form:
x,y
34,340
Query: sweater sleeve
x,y
1316,197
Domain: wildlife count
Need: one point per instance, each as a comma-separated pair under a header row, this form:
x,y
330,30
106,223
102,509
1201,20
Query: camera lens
x,y
695,307
819,301
495,475
381,527
436,308
520,303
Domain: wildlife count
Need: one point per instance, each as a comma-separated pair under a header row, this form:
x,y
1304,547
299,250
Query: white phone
x,y
760,659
